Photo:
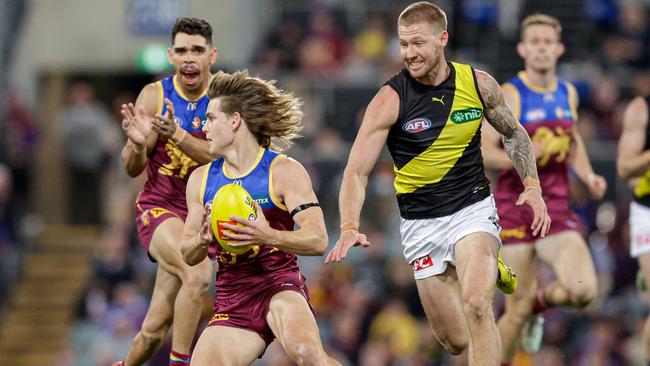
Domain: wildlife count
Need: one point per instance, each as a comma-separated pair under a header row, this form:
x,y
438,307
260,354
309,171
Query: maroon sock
x,y
539,305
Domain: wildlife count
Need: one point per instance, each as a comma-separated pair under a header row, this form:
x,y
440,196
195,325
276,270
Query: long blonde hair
x,y
267,111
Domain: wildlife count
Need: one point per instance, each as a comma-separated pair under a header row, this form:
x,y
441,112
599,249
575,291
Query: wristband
x,y
348,226
179,140
532,183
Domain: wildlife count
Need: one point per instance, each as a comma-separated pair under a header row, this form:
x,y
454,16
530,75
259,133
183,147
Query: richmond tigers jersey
x,y
237,270
548,116
168,167
642,190
435,144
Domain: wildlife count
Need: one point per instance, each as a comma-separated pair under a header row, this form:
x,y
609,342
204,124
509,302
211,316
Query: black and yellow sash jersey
x,y
436,144
642,190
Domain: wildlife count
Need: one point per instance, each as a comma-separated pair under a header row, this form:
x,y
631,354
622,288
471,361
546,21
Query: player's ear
x,y
213,55
520,50
236,121
560,49
169,55
444,38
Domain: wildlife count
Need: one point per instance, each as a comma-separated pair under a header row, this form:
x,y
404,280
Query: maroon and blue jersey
x,y
169,168
548,116
261,262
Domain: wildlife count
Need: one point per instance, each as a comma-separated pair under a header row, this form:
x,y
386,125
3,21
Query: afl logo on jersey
x,y
416,125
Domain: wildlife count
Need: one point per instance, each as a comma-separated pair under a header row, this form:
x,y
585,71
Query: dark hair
x,y
192,26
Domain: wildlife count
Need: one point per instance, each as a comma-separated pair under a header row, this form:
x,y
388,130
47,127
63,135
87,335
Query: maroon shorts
x,y
515,220
148,216
247,309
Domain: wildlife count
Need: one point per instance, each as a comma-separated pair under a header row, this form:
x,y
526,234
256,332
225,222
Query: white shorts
x,y
428,244
639,229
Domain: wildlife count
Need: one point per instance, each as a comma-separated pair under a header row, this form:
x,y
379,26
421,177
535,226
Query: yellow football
x,y
231,200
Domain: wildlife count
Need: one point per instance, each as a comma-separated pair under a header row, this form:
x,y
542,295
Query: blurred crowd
x,y
367,308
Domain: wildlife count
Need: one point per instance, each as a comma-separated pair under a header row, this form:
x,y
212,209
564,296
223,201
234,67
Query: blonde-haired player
x,y
547,108
261,294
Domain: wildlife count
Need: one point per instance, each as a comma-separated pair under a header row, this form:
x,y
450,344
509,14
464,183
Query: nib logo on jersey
x,y
466,115
416,125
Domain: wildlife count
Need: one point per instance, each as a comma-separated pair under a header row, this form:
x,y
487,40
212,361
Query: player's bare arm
x,y
494,156
291,184
381,114
136,124
519,148
516,141
632,161
579,161
194,147
197,232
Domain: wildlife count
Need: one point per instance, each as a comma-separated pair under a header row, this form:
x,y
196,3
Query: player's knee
x,y
476,307
583,296
455,344
151,337
197,282
306,353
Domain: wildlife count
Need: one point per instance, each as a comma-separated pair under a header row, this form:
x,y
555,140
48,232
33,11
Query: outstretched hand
x,y
206,235
541,221
347,240
165,125
135,124
597,186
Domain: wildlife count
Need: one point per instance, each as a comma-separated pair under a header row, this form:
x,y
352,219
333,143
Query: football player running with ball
x,y
261,294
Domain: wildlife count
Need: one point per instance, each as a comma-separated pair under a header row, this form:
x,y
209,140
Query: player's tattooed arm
x,y
516,141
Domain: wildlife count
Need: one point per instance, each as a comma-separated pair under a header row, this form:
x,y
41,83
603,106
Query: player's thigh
x,y
440,297
165,248
476,266
227,346
521,258
286,310
568,255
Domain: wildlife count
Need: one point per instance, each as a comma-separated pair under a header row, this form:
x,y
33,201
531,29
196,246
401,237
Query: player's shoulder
x,y
199,173
636,112
283,163
484,79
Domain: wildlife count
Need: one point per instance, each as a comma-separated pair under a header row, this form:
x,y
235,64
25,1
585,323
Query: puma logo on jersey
x,y
441,100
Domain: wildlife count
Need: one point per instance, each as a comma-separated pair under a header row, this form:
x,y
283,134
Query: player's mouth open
x,y
415,64
190,77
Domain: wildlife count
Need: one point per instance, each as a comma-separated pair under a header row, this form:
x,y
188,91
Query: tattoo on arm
x,y
516,141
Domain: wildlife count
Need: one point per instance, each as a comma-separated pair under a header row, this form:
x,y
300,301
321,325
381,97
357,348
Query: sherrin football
x,y
231,200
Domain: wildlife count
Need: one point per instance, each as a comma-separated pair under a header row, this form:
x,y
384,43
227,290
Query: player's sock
x,y
178,359
539,305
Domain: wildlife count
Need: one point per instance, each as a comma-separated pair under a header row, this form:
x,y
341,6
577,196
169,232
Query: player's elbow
x,y
190,259
622,169
133,173
321,242
189,255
